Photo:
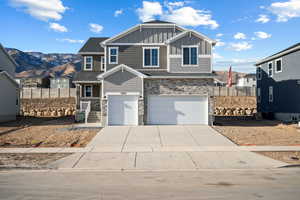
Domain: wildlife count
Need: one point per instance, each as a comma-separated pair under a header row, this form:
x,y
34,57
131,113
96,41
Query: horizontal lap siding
x,y
132,56
204,65
123,82
204,48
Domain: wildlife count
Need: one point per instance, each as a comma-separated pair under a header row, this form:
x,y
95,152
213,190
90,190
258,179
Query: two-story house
x,y
9,88
278,85
153,73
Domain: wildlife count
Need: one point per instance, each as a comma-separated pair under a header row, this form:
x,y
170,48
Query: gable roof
x,y
157,22
5,74
8,56
92,46
118,68
146,24
286,51
197,34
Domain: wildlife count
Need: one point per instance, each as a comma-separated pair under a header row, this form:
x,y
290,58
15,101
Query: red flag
x,y
229,79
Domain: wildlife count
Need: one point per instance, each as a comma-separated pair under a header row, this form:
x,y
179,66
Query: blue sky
x,y
247,30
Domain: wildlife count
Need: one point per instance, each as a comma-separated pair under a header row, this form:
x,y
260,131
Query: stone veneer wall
x,y
179,87
103,111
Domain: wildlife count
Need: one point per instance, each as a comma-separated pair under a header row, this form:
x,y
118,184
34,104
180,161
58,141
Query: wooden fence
x,y
46,93
234,91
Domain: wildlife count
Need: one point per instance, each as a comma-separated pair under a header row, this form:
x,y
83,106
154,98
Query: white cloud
x,y
95,28
188,16
185,16
149,11
239,36
262,35
217,56
172,5
220,43
240,46
57,27
118,12
219,34
263,19
41,9
70,40
285,10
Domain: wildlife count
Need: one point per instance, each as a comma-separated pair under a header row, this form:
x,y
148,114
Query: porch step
x,y
94,117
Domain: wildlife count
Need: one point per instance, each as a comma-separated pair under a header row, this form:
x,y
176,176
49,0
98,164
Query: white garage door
x,y
122,110
177,110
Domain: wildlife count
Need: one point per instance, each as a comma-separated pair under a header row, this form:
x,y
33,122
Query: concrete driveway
x,y
163,148
153,138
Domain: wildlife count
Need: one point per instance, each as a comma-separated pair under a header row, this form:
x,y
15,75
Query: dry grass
x,y
262,132
44,132
29,160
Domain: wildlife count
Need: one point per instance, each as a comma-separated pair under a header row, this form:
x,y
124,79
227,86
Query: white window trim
x,y
189,46
258,95
271,69
92,62
151,66
117,56
271,97
102,63
84,93
276,65
259,75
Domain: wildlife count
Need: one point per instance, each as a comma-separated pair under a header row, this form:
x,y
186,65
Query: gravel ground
x,y
44,132
291,157
36,160
262,132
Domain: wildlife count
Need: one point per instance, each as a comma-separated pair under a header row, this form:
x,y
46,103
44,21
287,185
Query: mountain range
x,y
40,64
64,64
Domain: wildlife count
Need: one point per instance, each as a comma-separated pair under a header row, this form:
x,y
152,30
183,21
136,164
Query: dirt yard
x,y
262,132
292,157
44,132
35,160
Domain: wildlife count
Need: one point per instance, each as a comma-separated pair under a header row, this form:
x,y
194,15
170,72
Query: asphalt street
x,y
206,184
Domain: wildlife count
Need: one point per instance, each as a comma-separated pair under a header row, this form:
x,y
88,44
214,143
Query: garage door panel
x,y
177,110
122,110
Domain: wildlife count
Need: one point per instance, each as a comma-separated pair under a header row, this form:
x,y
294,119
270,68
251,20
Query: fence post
x,y
58,92
41,95
30,93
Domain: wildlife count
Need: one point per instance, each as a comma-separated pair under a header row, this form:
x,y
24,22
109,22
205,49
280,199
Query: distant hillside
x,y
37,63
56,64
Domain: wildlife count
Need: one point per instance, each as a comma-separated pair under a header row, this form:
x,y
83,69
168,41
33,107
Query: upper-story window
x,y
259,73
113,55
189,55
278,65
88,63
270,69
151,56
102,63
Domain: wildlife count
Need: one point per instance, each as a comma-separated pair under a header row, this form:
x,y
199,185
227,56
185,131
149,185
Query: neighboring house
x,y
278,85
153,73
249,80
61,82
42,81
9,88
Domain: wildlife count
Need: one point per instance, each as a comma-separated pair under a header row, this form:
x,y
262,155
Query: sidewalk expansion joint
x,y
125,139
78,160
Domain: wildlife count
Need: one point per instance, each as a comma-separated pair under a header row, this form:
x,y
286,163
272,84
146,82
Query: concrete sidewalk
x,y
117,149
166,161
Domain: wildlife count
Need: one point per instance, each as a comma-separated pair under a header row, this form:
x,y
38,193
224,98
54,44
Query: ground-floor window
x,y
271,96
88,91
